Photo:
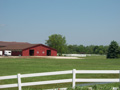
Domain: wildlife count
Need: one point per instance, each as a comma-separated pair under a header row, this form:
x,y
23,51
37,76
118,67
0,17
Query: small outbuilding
x,y
26,49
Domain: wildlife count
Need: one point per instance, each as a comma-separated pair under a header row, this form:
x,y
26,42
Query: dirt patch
x,y
49,57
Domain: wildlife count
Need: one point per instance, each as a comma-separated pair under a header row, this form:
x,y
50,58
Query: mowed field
x,y
13,66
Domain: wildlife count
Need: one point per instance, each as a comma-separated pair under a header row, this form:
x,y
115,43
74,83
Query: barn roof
x,y
3,43
19,46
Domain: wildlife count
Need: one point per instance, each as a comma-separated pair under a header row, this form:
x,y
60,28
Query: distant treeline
x,y
81,49
58,42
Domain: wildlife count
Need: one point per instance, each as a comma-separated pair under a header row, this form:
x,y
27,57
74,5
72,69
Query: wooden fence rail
x,y
73,79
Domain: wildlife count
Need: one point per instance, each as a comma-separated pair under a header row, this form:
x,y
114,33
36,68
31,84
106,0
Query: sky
x,y
82,22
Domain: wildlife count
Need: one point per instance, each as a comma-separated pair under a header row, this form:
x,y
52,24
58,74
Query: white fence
x,y
73,79
75,55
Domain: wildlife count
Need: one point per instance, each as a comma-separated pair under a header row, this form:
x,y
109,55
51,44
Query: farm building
x,y
26,49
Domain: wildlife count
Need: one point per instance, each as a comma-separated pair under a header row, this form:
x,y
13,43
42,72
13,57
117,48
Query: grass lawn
x,y
10,66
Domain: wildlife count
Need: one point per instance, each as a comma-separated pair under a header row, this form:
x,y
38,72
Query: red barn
x,y
26,49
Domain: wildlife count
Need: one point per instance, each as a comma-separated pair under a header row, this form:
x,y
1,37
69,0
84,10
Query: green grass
x,y
10,66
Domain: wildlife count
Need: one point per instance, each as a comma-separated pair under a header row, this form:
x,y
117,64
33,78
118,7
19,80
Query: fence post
x,y
19,82
119,76
74,77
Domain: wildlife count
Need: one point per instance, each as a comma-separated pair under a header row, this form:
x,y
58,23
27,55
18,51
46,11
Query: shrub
x,y
113,50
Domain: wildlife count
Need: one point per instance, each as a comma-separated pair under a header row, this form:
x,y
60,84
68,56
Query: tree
x,y
113,50
58,42
81,49
96,50
89,49
119,52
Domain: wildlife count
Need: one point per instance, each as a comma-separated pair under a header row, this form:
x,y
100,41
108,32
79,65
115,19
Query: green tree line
x,y
58,42
91,49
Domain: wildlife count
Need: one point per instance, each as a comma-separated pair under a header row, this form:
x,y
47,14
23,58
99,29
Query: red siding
x,y
39,51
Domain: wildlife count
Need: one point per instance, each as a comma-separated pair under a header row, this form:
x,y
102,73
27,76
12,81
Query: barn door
x,y
31,52
48,52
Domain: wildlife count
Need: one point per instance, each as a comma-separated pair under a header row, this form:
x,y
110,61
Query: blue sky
x,y
87,22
